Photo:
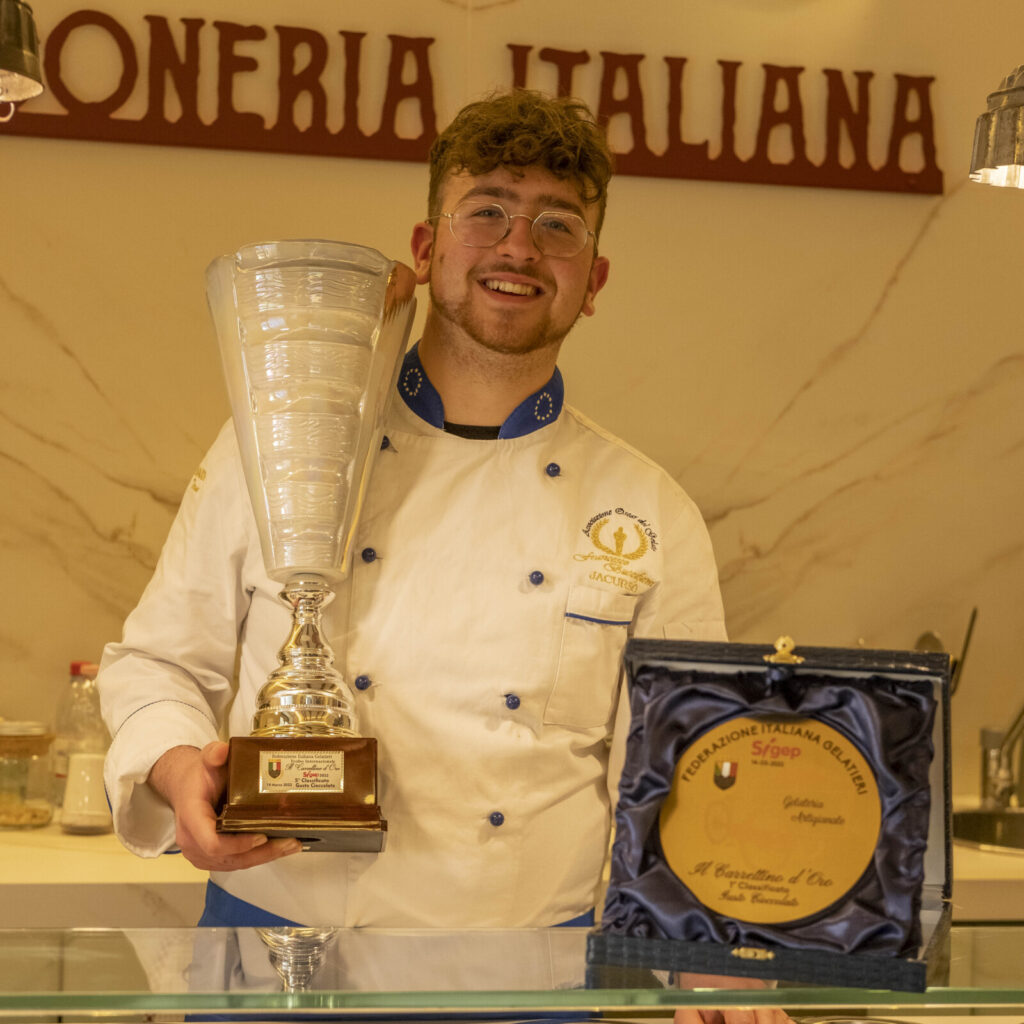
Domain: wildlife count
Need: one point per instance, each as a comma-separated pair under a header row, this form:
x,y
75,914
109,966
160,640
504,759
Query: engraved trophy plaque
x,y
311,335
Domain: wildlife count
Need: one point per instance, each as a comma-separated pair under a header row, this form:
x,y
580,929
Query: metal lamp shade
x,y
20,75
998,157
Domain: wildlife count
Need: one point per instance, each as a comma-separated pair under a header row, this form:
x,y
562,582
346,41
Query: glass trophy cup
x,y
311,334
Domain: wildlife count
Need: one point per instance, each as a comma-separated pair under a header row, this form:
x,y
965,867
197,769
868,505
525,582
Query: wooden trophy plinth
x,y
321,790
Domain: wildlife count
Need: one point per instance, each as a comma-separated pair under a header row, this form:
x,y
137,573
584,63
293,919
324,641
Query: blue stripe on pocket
x,y
600,622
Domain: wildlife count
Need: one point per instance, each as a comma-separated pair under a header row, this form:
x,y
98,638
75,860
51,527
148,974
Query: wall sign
x,y
320,77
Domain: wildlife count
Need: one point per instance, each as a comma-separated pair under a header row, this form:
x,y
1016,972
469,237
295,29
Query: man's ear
x,y
598,277
422,246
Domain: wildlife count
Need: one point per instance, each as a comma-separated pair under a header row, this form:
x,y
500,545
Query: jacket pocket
x,y
594,632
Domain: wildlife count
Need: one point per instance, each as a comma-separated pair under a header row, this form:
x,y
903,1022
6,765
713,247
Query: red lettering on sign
x,y
779,154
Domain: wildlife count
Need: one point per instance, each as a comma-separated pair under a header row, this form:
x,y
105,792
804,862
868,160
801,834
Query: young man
x,y
509,546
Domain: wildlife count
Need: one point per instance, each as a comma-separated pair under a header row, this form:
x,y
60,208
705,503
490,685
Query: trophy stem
x,y
305,695
297,953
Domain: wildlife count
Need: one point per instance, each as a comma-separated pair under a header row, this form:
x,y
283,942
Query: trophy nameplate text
x,y
311,335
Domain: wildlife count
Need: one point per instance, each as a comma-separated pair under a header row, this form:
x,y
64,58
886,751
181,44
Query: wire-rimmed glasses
x,y
480,225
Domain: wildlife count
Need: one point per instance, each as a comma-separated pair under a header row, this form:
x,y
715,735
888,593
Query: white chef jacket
x,y
493,585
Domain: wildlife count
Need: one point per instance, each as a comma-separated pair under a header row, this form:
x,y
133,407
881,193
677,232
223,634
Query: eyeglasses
x,y
554,232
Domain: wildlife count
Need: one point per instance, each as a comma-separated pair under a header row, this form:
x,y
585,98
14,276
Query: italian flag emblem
x,y
725,773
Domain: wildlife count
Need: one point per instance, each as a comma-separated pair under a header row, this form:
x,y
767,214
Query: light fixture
x,y
998,157
20,77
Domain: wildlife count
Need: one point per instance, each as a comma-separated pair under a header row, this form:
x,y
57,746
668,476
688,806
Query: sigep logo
x,y
769,748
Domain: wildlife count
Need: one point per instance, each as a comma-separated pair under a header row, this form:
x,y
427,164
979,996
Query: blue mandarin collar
x,y
540,409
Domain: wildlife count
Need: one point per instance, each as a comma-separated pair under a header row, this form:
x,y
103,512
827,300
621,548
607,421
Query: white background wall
x,y
833,375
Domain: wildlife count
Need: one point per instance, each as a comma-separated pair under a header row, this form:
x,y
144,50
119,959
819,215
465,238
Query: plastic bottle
x,y
78,750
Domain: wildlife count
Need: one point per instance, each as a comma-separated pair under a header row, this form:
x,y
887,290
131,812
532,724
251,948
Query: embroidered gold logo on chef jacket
x,y
621,539
197,478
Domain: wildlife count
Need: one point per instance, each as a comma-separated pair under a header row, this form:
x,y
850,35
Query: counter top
x,y
48,854
52,879
987,885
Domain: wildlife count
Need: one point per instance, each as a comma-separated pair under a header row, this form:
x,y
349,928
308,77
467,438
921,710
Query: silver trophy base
x,y
305,772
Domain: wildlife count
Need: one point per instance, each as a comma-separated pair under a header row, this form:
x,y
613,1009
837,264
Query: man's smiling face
x,y
509,298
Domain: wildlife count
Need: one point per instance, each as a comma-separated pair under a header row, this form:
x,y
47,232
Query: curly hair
x,y
522,128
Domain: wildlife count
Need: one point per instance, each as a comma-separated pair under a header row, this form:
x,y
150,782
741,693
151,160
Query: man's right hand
x,y
734,1015
192,781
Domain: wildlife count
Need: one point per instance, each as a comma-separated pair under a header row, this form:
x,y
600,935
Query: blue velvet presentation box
x,y
783,814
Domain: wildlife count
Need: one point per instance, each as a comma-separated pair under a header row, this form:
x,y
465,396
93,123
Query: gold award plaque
x,y
771,819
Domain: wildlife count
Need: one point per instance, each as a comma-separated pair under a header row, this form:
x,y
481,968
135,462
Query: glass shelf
x,y
92,974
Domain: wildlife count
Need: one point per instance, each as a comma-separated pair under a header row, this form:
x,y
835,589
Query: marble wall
x,y
833,375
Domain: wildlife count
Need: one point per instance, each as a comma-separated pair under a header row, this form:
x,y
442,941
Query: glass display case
x,y
364,974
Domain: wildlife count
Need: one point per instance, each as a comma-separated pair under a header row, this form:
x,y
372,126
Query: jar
x,y
25,775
